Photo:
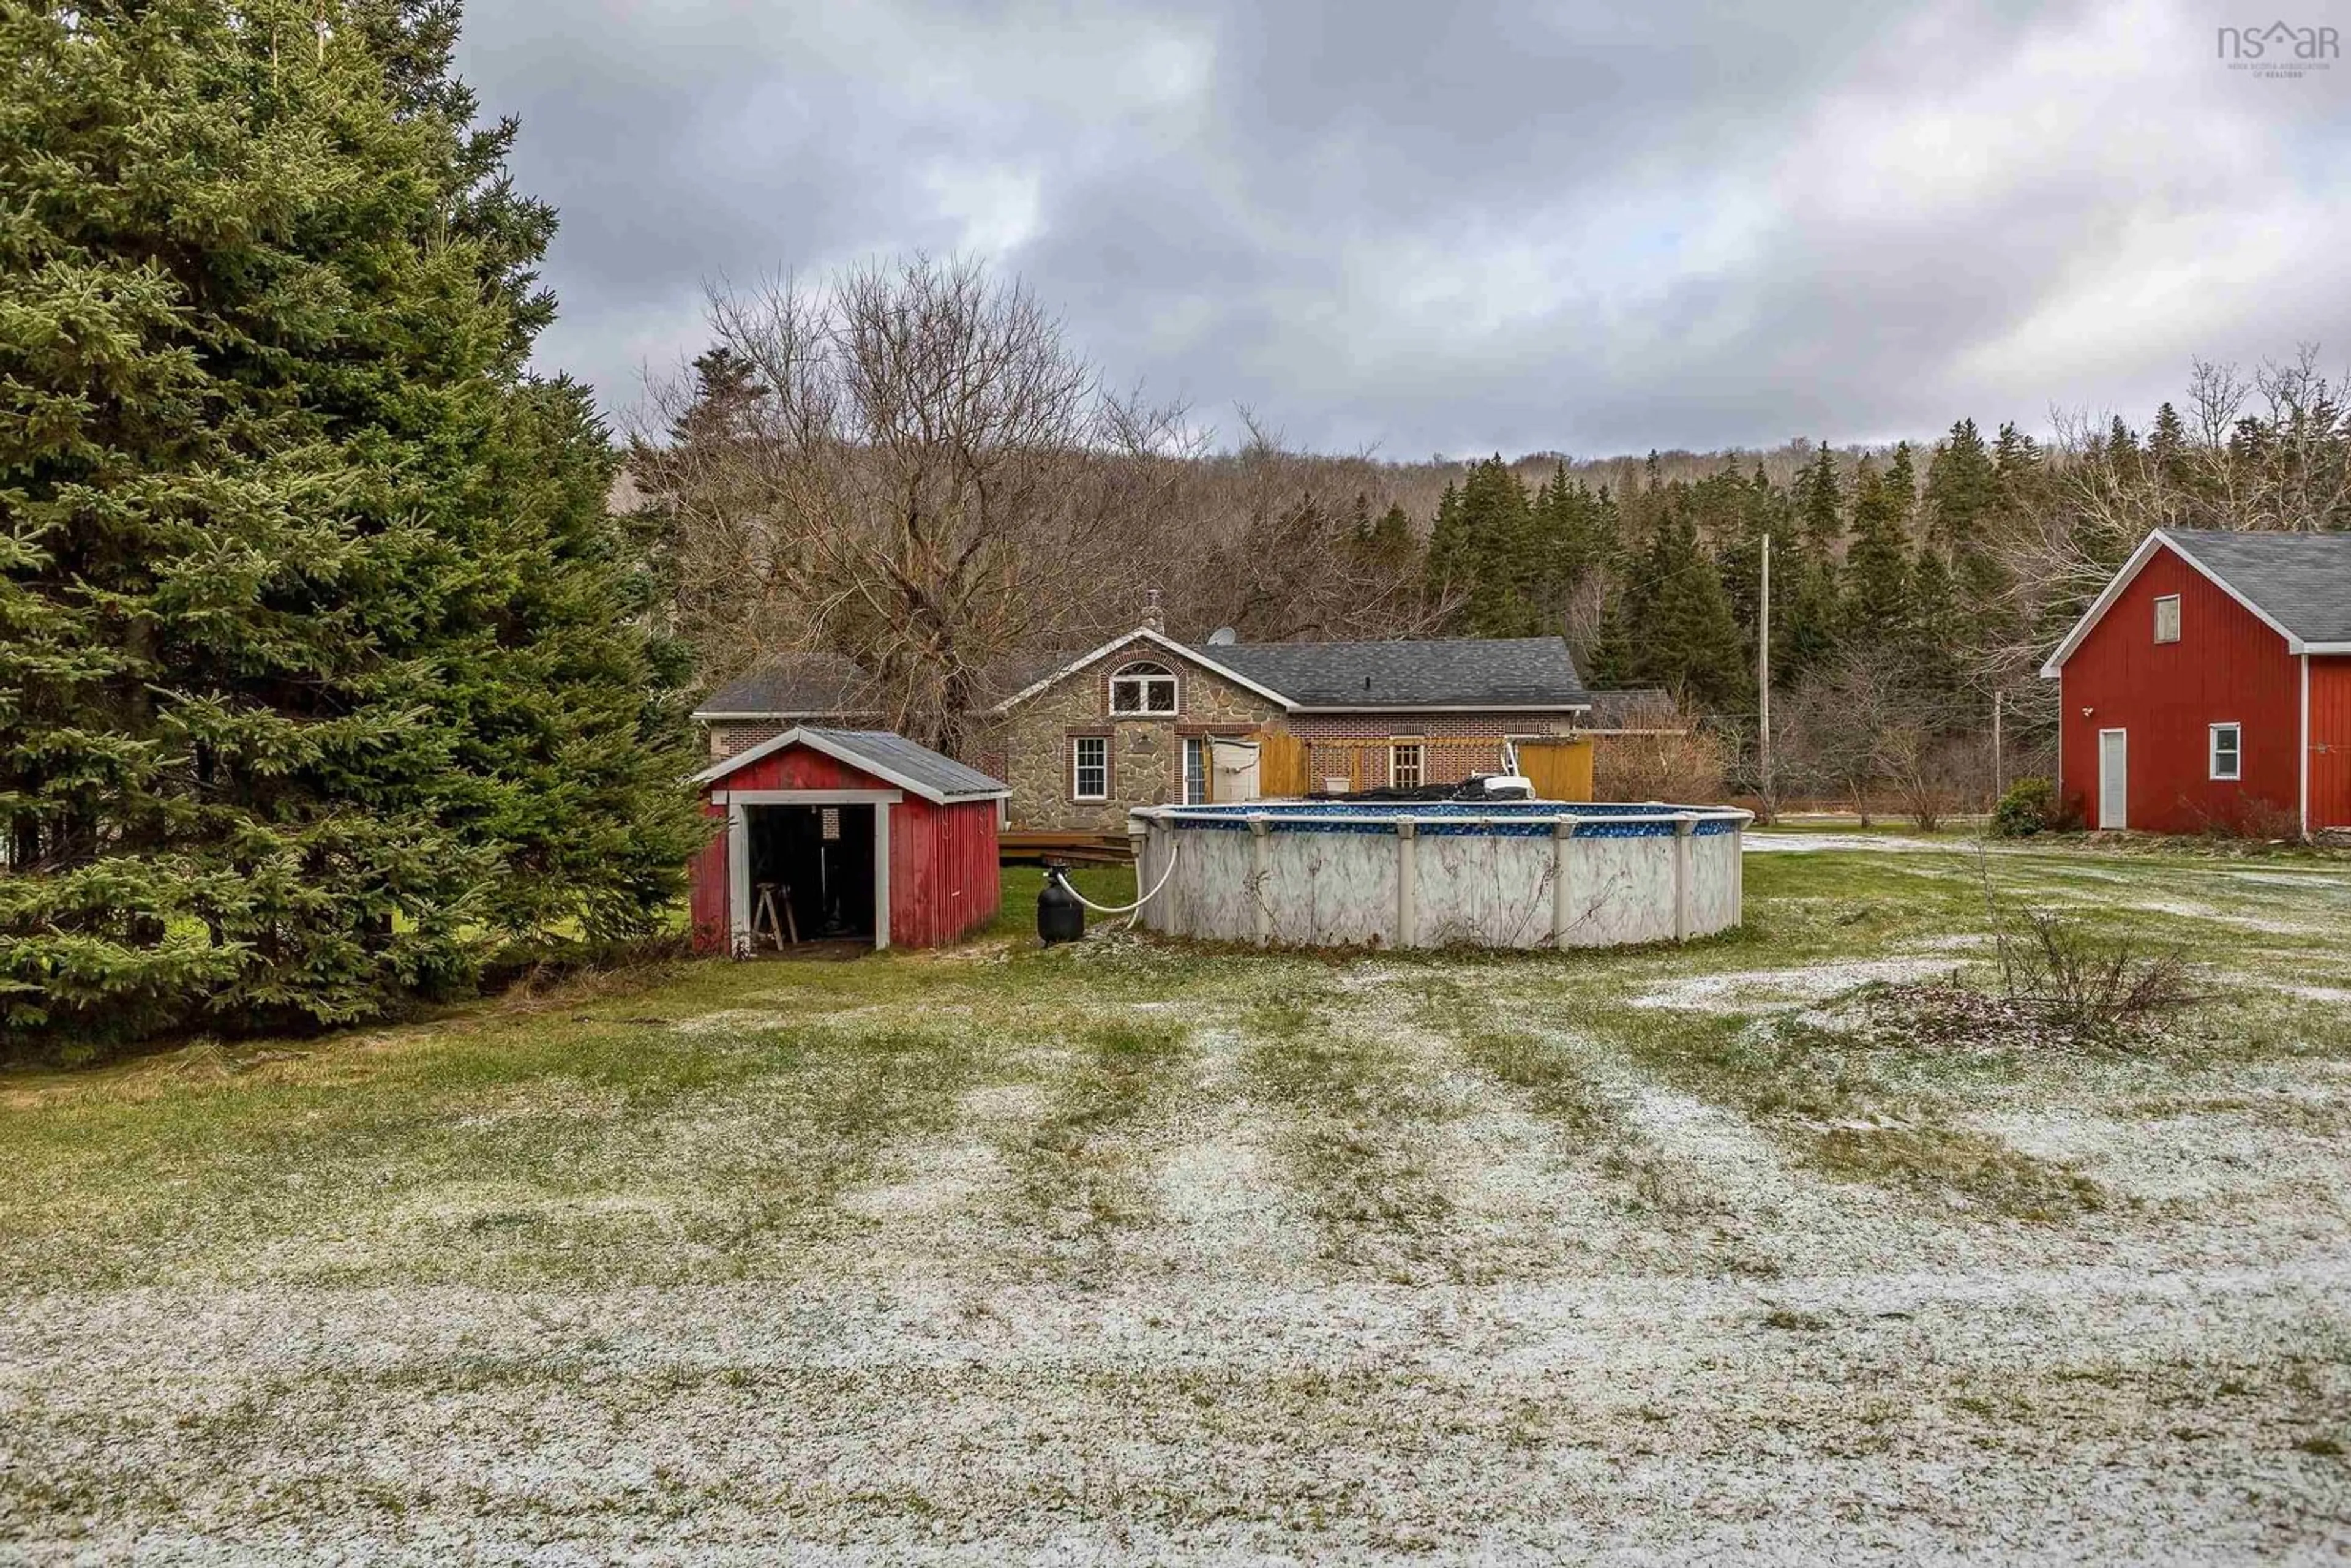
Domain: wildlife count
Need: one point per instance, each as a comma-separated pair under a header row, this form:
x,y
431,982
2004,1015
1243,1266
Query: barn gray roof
x,y
820,685
1456,673
2302,582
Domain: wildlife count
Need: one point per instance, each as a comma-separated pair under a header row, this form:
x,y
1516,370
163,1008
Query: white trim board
x,y
802,736
2156,540
720,714
1146,634
2302,737
1455,708
807,796
739,851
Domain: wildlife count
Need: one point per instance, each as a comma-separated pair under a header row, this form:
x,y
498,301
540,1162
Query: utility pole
x,y
1763,677
1995,744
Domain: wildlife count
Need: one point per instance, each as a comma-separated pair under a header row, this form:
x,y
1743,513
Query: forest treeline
x,y
910,467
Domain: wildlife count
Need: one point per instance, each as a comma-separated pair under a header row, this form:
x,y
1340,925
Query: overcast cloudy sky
x,y
1429,227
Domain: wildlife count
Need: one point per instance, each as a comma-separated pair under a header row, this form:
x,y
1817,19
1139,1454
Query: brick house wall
x,y
1030,747
728,736
727,739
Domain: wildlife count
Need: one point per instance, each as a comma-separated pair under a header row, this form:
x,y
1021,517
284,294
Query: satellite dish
x,y
1223,637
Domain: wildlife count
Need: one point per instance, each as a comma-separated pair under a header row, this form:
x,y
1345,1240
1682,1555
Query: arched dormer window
x,y
1142,688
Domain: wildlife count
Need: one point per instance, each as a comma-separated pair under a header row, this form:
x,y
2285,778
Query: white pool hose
x,y
1135,908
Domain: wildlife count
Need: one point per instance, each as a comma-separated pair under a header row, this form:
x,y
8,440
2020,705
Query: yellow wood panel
x,y
1559,769
1281,765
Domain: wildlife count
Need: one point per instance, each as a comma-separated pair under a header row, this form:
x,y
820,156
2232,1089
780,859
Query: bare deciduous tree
x,y
915,471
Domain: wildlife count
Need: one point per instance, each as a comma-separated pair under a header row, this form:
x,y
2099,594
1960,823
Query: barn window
x,y
2228,752
2166,619
1142,688
1089,767
1405,764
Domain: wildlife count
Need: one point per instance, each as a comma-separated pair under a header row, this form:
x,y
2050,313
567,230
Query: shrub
x,y
2088,983
2094,987
2030,806
1680,768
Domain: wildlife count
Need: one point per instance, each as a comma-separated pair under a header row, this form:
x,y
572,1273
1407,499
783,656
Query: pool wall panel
x,y
1322,877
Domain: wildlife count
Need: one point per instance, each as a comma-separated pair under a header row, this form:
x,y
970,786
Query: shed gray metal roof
x,y
890,755
820,685
2302,582
1458,673
887,755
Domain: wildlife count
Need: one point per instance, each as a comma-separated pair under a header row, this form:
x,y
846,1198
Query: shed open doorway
x,y
816,863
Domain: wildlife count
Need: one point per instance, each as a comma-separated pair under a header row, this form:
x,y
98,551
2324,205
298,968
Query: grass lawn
x,y
1137,1252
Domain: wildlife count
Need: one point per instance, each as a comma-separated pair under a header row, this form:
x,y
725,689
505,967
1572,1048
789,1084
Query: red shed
x,y
846,833
2210,685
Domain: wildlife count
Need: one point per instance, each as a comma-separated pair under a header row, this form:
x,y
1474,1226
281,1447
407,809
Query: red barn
x,y
2210,685
845,833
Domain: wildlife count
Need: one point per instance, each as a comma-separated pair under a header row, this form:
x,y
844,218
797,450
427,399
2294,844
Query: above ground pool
x,y
1534,873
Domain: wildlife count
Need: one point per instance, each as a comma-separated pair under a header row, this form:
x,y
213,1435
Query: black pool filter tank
x,y
1060,916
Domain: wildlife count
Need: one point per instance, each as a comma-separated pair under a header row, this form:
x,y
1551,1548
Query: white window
x,y
2166,619
1404,764
1089,767
1196,771
2228,751
1142,688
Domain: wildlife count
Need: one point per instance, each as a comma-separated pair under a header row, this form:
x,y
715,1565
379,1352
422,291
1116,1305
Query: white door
x,y
2114,779
1236,765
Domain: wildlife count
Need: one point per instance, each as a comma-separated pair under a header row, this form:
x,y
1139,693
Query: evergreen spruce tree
x,y
2167,447
321,664
1610,666
1819,502
1805,614
1878,562
1935,633
1387,542
1496,524
1758,508
1961,490
1682,635
1448,567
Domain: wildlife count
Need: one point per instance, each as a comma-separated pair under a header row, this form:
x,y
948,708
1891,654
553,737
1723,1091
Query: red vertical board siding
x,y
2227,667
2330,741
707,889
798,768
943,870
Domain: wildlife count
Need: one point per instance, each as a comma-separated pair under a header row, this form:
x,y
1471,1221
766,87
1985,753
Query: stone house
x,y
1134,721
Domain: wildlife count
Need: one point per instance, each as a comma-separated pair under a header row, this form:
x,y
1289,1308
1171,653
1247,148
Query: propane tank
x,y
1060,916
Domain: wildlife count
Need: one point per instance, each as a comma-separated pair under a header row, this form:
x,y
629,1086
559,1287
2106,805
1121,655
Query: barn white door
x,y
2114,779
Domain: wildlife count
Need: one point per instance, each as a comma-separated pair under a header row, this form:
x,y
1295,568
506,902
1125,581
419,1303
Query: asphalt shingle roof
x,y
820,684
1463,672
2302,582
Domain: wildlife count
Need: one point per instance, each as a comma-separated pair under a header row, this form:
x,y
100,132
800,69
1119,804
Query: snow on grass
x,y
1775,842
1762,991
1171,1257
